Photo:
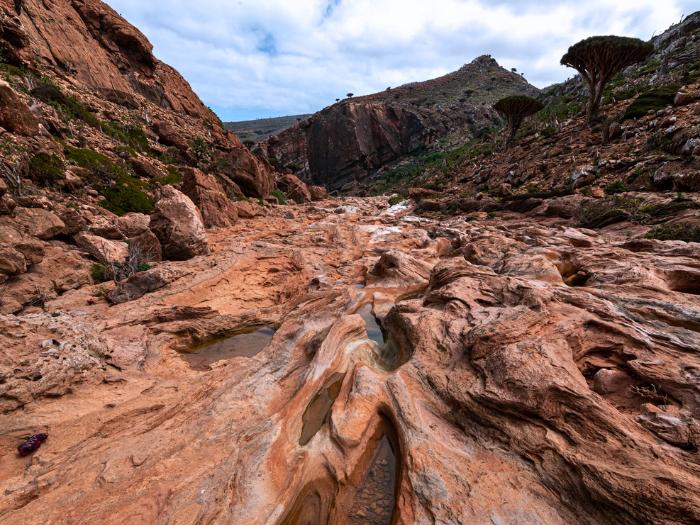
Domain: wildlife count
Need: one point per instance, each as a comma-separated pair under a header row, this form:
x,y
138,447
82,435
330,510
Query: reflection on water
x,y
240,345
374,331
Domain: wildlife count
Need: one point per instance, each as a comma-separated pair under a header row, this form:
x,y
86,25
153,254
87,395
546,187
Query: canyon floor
x,y
347,362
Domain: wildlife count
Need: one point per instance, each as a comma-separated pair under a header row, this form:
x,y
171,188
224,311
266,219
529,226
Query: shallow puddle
x,y
319,410
374,331
375,498
240,345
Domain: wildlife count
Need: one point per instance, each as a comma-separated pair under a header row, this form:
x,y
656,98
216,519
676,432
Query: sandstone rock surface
x,y
487,389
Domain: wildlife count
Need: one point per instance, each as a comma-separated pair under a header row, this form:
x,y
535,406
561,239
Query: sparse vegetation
x,y
172,178
202,152
675,232
598,59
69,106
615,187
122,192
46,169
652,100
99,273
396,199
279,195
132,136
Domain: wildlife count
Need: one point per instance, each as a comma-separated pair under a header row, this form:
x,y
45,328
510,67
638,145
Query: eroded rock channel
x,y
463,382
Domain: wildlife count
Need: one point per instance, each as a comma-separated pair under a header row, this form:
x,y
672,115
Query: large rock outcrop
x,y
352,139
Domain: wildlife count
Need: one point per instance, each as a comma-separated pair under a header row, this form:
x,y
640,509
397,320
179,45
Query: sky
x,y
252,59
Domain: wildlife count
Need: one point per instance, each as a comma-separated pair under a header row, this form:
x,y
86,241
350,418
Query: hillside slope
x,y
93,127
350,140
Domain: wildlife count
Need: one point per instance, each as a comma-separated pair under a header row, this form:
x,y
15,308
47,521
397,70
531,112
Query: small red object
x,y
32,444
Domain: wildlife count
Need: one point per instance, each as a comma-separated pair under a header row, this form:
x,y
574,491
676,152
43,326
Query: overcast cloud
x,y
257,58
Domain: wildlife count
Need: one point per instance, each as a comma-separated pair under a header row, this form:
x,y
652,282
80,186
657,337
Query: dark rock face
x,y
352,139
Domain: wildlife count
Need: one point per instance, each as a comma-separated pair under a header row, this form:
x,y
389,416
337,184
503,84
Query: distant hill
x,y
350,141
260,129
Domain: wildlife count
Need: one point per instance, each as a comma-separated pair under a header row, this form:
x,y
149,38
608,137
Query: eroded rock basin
x,y
247,344
512,396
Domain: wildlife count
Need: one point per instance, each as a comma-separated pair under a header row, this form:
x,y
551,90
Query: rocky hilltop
x,y
511,337
350,140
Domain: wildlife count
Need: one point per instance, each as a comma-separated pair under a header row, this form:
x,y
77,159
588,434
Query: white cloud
x,y
254,58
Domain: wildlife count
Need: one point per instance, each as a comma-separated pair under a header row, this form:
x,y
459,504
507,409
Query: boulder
x,y
3,187
137,286
178,225
294,188
216,208
318,193
73,220
248,209
104,250
670,177
15,115
169,135
7,205
105,224
39,222
11,261
133,224
683,98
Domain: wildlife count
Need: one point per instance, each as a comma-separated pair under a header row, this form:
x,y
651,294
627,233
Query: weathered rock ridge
x,y
352,139
421,371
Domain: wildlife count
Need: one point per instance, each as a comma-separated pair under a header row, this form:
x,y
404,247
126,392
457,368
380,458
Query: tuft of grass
x,y
280,196
652,100
616,187
132,136
99,273
46,169
675,232
396,199
173,177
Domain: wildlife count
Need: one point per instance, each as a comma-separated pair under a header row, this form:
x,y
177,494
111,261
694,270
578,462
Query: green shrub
x,y
675,232
122,192
126,195
132,136
280,196
202,151
173,177
46,168
615,187
396,199
99,273
652,100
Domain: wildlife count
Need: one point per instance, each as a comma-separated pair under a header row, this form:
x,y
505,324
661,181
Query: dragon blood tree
x,y
515,110
600,58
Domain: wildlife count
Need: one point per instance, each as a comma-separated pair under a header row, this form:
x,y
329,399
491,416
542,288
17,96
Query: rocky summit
x,y
484,332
